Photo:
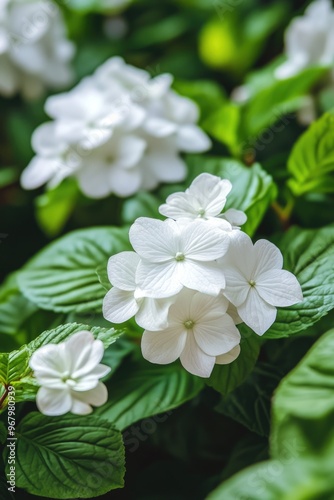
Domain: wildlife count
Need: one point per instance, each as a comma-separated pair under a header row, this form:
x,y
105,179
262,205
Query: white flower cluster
x,y
69,374
194,276
309,40
34,50
118,131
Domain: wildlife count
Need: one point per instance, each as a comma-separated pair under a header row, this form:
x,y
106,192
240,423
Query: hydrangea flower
x,y
193,278
204,199
256,283
118,131
309,40
34,50
199,331
69,374
174,256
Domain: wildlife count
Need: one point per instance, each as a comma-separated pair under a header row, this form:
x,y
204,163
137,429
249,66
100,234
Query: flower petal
x,y
154,240
256,313
39,171
153,313
163,347
122,270
95,397
194,360
279,288
229,357
53,402
211,192
50,361
85,351
119,305
192,139
202,242
204,277
159,280
266,257
80,407
237,286
123,182
216,336
240,255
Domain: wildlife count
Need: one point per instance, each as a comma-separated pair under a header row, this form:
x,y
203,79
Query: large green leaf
x,y
311,162
309,254
279,480
225,378
303,407
140,389
63,278
253,189
69,456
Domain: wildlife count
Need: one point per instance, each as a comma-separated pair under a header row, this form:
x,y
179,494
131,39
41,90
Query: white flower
x,y
199,332
204,199
177,255
126,299
309,40
34,51
69,374
256,283
124,129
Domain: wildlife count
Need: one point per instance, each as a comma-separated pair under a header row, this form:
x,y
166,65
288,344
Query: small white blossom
x,y
69,374
199,332
256,283
177,255
126,299
309,40
34,50
204,199
122,130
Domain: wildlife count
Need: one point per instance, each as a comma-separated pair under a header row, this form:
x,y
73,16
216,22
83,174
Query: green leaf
x,y
208,95
224,126
141,205
311,162
281,97
303,407
279,480
140,389
250,403
225,378
253,189
63,278
69,456
54,207
10,320
309,255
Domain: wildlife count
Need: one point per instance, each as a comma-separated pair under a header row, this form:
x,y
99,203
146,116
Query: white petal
x,y
229,357
204,277
119,305
194,360
96,397
153,313
159,127
159,280
124,182
191,139
94,181
166,166
154,240
85,351
80,407
53,402
232,311
279,288
122,270
240,255
45,141
237,286
210,191
178,206
203,243
39,171
163,347
205,307
235,217
267,256
130,150
50,360
216,336
256,313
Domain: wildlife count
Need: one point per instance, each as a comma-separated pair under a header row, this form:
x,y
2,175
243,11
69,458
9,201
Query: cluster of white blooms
x,y
194,276
69,374
309,40
118,131
34,50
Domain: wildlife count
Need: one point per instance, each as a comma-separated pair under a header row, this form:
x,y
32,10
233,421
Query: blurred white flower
x,y
34,50
256,283
199,332
176,256
69,374
309,40
125,130
126,299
